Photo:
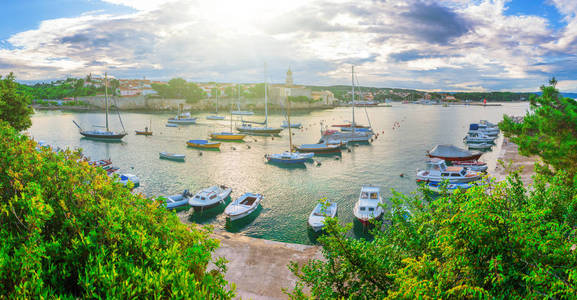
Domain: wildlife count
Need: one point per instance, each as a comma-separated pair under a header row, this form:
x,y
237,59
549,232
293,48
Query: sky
x,y
443,45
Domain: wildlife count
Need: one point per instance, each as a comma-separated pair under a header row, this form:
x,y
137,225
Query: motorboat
x,y
171,125
227,136
438,171
322,211
478,138
289,157
480,146
182,117
453,153
176,201
331,136
368,207
319,148
172,156
473,165
482,128
243,206
126,178
215,117
292,125
205,144
210,197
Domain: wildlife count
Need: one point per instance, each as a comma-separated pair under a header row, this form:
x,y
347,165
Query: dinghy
x,y
171,156
243,206
320,213
210,197
179,200
368,206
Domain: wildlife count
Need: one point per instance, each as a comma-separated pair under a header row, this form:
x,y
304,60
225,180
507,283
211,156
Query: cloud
x,y
459,44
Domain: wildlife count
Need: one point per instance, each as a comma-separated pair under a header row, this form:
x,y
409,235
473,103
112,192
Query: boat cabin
x,y
369,199
438,166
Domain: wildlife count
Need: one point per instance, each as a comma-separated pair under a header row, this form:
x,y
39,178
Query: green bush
x,y
69,231
502,241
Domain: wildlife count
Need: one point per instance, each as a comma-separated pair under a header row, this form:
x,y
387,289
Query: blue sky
x,y
449,45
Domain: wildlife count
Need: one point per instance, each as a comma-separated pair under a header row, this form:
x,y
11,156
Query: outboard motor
x,y
185,193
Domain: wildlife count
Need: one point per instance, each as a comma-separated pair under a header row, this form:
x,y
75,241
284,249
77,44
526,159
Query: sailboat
x,y
106,135
239,112
248,128
216,117
182,118
289,157
229,136
355,135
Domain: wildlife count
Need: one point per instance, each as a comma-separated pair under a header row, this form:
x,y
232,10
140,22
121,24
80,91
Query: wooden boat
x,y
176,201
368,206
437,171
319,148
203,144
243,206
172,156
145,131
320,213
210,197
453,153
101,134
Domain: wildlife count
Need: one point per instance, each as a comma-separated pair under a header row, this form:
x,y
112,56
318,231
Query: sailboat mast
x,y
106,98
265,99
288,112
353,98
217,92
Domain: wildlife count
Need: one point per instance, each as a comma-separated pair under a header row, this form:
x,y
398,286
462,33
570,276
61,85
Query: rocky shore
x,y
513,159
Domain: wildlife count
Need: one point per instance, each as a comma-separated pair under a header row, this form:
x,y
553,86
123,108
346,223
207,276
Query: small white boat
x,y
242,113
478,138
179,200
320,213
472,165
126,178
210,197
171,125
438,171
368,206
479,145
243,206
289,157
172,156
484,128
292,125
215,118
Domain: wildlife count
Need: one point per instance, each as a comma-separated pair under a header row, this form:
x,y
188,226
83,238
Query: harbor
x,y
405,134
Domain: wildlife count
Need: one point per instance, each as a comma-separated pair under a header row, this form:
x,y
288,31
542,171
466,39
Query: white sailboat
x,y
182,118
247,127
228,135
239,112
216,117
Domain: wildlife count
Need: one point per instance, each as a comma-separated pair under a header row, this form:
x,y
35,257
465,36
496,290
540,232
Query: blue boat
x,y
444,188
203,144
287,158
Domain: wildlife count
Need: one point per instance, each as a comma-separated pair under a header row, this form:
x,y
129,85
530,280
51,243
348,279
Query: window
x,y
444,174
455,175
374,196
362,208
371,209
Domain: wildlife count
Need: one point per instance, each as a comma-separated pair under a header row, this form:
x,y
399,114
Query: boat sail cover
x,y
451,151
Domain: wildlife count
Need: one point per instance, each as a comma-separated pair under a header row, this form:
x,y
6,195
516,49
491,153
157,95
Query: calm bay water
x,y
290,193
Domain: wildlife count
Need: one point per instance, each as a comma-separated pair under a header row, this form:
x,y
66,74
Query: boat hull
x,y
174,157
227,137
242,113
215,118
182,121
333,149
104,137
204,146
259,130
143,132
475,156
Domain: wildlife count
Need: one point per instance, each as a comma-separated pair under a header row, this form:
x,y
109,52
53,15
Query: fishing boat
x,y
368,207
484,129
172,156
105,135
479,146
453,153
210,197
182,118
176,201
203,144
239,112
473,165
228,135
145,131
292,125
437,171
289,157
478,138
243,206
319,148
216,117
348,136
320,213
247,127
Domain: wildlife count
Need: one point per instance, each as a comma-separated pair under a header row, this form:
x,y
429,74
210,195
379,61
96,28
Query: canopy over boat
x,y
451,152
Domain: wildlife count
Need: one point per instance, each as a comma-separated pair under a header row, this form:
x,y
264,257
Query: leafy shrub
x,y
69,231
501,241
